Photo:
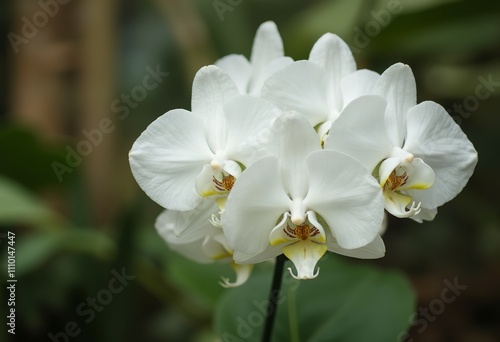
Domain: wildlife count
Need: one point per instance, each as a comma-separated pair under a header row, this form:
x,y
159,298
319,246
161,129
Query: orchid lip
x,y
305,254
300,276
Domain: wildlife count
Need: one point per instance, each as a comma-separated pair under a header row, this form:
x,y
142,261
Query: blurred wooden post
x,y
98,91
190,32
40,54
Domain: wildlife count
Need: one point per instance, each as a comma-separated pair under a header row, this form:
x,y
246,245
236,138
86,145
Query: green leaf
x,y
338,17
17,205
455,28
200,280
344,297
27,159
32,251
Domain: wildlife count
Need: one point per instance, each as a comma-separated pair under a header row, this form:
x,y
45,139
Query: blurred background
x,y
73,98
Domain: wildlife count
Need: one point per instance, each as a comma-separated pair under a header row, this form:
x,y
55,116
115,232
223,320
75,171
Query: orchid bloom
x,y
321,87
197,235
184,156
267,56
302,201
420,156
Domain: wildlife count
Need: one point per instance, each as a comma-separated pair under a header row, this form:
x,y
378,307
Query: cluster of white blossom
x,y
297,157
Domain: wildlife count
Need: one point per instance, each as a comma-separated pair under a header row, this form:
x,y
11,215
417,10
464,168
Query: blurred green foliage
x,y
331,308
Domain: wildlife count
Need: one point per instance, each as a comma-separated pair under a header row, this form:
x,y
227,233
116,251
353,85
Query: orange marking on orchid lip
x,y
394,181
301,232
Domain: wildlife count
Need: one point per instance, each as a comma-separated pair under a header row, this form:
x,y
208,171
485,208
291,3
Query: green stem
x,y
272,307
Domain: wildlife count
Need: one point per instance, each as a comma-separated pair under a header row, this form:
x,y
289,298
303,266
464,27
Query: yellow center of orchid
x,y
394,181
226,184
301,232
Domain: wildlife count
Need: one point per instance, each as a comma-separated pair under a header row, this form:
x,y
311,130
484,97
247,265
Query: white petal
x,y
255,203
168,156
425,214
188,225
295,140
267,46
253,258
212,87
333,54
238,68
321,237
420,175
169,221
232,167
386,168
360,131
300,86
434,137
385,223
305,254
188,245
397,85
324,129
277,236
359,83
258,79
190,250
242,274
373,250
215,246
248,122
204,183
345,194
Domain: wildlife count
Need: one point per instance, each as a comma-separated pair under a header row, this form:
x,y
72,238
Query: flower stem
x,y
272,307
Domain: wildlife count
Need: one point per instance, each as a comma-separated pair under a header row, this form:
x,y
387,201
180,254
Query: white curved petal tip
x,y
414,209
226,283
304,276
242,274
403,213
215,221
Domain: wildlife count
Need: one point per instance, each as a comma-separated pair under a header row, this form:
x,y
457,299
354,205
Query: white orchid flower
x,y
183,156
267,57
197,235
419,154
321,87
303,201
